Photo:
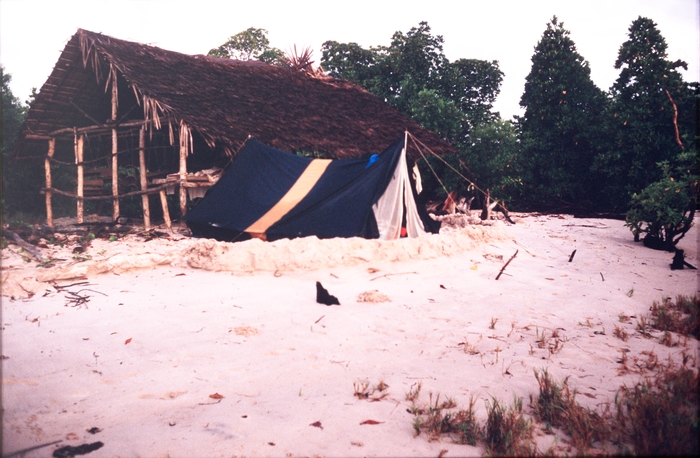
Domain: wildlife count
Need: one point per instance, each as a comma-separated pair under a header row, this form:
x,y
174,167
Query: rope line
x,y
416,141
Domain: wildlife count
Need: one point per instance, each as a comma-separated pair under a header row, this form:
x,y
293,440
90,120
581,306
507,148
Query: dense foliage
x,y
251,44
652,114
413,75
563,124
17,177
664,210
453,99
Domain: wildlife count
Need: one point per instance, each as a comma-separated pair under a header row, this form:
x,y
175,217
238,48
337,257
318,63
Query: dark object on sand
x,y
322,296
69,451
679,261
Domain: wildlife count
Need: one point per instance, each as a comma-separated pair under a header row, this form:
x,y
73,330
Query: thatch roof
x,y
224,101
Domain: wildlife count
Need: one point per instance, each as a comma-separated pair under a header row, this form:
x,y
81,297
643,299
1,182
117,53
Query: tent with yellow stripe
x,y
272,194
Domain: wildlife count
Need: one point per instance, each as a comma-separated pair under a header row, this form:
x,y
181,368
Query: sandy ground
x,y
184,347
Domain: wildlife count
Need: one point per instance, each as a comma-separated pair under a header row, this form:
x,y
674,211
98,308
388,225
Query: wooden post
x,y
115,149
47,167
183,167
78,141
144,181
486,206
166,212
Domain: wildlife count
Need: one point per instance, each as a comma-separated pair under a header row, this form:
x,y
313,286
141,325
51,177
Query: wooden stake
x,y
488,206
485,211
506,265
166,212
144,181
78,141
115,149
47,167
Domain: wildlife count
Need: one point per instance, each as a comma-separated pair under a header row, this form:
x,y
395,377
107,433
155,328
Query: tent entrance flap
x,y
397,202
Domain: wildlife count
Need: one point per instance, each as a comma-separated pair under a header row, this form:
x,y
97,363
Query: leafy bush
x,y
664,210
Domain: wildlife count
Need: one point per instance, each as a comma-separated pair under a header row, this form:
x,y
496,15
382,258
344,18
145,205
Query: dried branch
x,y
506,265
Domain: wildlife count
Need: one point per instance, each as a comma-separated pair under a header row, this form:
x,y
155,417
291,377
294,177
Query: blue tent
x,y
272,194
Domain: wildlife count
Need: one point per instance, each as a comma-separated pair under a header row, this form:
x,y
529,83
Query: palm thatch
x,y
220,101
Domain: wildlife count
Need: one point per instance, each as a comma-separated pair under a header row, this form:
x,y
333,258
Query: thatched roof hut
x,y
222,100
163,111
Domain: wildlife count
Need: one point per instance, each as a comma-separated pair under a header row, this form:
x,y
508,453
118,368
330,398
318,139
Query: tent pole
x,y
47,167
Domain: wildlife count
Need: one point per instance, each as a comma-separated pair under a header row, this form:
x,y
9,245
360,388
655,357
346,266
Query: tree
x,y
20,188
561,127
646,98
664,210
13,113
413,75
251,44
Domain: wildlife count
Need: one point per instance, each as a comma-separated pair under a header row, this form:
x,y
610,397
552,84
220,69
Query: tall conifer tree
x,y
560,130
643,124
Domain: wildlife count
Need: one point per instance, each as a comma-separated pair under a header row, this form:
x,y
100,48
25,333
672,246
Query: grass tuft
x,y
508,432
681,316
659,416
556,406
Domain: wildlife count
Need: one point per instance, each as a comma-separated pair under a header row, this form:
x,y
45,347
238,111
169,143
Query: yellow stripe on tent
x,y
296,193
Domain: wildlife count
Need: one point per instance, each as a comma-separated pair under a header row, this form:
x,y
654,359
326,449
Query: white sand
x,y
241,321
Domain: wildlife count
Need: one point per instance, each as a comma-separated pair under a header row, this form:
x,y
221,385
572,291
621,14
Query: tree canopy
x,y
413,75
251,44
20,184
645,112
562,125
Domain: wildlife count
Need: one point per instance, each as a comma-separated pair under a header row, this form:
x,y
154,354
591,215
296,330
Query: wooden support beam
x,y
88,129
47,167
184,134
144,181
166,212
115,148
78,143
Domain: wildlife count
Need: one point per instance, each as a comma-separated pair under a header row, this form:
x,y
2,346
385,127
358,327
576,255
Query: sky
x,y
34,32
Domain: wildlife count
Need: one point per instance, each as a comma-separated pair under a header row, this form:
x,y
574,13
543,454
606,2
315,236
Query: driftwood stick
x,y
486,206
388,275
31,249
20,453
506,264
571,258
504,210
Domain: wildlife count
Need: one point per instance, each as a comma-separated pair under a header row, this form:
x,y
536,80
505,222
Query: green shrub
x,y
664,210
